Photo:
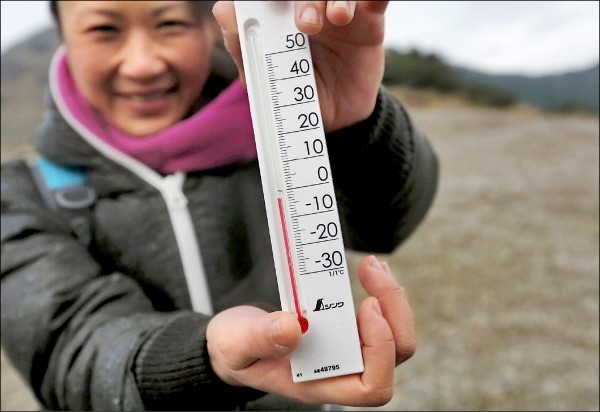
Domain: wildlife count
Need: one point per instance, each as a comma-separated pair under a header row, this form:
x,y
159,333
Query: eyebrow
x,y
100,11
160,10
155,12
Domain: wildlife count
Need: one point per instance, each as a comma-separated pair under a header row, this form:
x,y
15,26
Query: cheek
x,y
91,74
194,67
196,74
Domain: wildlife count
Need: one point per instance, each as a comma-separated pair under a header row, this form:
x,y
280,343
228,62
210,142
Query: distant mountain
x,y
575,91
557,92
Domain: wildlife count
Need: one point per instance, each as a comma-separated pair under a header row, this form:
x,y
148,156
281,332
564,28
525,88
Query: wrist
x,y
173,367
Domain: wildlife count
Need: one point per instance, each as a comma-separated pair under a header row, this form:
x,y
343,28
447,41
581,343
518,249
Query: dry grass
x,y
503,274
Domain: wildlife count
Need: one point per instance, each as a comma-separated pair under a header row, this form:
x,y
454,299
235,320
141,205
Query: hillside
x,y
575,91
24,78
554,92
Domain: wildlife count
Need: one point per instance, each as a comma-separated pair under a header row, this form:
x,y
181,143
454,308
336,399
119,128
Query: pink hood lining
x,y
219,134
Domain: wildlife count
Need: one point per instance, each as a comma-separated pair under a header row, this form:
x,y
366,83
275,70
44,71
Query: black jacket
x,y
111,327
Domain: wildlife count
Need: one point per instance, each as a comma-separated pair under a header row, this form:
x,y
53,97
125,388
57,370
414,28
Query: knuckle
x,y
395,291
396,294
399,291
385,396
378,396
226,349
257,342
405,351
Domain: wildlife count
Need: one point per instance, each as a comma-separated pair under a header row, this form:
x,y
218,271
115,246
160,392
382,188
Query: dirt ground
x,y
503,275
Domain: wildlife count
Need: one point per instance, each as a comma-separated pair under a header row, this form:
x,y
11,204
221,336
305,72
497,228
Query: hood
x,y
59,137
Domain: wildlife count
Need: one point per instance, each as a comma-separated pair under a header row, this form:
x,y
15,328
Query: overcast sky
x,y
498,37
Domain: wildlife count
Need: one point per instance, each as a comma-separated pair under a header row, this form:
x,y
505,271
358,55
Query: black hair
x,y
200,8
54,10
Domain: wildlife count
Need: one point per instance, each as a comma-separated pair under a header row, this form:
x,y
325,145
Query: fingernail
x,y
276,334
341,5
377,307
349,6
375,264
310,16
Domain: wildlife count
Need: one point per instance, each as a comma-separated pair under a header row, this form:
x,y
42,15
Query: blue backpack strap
x,y
64,189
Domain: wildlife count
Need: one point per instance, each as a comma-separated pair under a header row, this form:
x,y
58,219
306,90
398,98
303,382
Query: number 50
x,y
295,40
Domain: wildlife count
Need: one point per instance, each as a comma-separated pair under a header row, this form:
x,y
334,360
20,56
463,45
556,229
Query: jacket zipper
x,y
191,259
170,187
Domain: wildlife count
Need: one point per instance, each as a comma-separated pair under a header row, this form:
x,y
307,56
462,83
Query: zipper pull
x,y
172,189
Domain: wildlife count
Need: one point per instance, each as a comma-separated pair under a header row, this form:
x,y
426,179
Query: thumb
x,y
271,336
248,334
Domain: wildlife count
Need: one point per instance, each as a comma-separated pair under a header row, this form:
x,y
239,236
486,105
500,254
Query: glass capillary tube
x,y
275,170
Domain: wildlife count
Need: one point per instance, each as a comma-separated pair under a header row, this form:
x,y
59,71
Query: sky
x,y
501,37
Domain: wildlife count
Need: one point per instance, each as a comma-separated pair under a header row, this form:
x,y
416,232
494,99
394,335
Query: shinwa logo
x,y
321,306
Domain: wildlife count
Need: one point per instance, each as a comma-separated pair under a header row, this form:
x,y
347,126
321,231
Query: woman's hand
x,y
250,347
347,49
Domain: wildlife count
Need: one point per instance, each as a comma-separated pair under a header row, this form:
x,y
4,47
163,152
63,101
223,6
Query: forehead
x,y
80,9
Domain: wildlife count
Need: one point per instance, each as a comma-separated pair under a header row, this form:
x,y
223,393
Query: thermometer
x,y
304,226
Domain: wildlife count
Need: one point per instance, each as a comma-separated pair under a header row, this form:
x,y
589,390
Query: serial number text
x,y
327,368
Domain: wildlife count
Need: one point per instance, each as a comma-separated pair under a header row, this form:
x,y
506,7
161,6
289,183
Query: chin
x,y
143,129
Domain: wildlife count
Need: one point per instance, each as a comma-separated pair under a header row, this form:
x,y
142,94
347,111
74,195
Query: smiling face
x,y
141,64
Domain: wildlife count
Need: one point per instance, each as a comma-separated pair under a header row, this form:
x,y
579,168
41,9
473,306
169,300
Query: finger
x,y
340,13
394,304
386,267
378,351
260,335
373,387
224,12
271,336
309,16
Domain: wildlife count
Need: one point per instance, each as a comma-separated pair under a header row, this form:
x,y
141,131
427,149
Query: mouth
x,y
149,103
148,95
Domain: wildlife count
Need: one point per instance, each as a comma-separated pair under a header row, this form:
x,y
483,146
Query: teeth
x,y
146,97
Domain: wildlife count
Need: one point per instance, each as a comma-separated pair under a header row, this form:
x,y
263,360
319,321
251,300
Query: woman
x,y
142,100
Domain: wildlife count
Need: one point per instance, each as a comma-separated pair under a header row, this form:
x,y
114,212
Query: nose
x,y
140,58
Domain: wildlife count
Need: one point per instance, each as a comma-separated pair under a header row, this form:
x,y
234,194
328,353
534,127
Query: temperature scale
x,y
304,225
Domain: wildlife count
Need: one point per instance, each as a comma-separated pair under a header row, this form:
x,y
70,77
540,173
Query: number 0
x,y
322,173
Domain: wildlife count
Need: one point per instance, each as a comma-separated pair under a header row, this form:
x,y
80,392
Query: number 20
x,y
311,119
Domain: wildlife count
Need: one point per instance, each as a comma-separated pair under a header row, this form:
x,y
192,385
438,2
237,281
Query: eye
x,y
173,25
103,28
103,32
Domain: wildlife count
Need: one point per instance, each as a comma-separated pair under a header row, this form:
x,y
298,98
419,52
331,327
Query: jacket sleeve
x,y
88,340
385,173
